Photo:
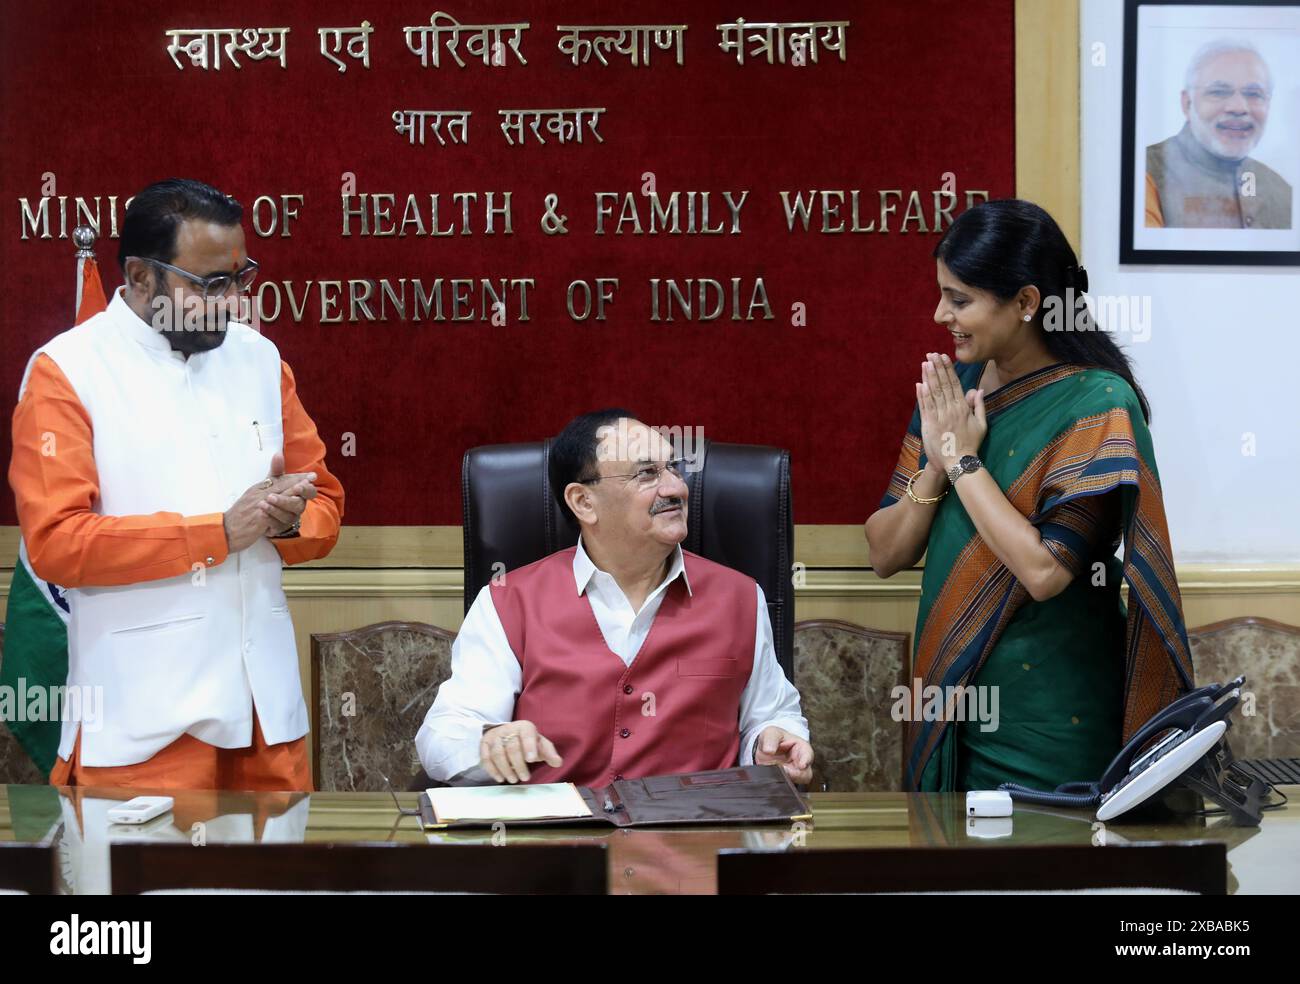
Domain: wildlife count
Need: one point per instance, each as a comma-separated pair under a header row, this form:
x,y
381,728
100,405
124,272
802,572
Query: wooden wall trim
x,y
1047,109
308,583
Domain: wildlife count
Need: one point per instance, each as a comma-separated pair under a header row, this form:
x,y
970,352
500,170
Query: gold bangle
x,y
916,498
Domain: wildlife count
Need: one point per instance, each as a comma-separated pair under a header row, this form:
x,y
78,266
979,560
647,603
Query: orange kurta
x,y
188,763
1154,215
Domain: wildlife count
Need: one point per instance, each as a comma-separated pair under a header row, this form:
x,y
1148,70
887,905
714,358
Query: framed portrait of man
x,y
1211,133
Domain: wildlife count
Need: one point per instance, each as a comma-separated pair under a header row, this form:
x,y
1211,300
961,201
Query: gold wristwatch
x,y
290,533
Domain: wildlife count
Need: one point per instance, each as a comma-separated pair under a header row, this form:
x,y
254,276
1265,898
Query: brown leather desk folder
x,y
748,794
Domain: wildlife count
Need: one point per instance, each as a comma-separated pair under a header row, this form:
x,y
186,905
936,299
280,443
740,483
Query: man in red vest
x,y
624,656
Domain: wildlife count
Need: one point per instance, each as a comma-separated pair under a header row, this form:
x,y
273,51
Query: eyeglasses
x,y
649,475
217,285
1255,95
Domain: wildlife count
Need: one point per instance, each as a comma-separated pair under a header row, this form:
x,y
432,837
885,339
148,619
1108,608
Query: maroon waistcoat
x,y
675,709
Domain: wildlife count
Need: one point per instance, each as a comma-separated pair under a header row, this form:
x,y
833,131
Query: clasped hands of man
x,y
270,507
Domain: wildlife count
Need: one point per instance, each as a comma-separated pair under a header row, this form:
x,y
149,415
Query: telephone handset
x,y
1184,742
1181,716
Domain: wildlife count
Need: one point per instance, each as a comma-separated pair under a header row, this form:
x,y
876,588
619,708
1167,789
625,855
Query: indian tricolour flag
x,y
36,621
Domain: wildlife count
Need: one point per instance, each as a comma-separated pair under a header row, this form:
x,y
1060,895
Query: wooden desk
x,y
1261,860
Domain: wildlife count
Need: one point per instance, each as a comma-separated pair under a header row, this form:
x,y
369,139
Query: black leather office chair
x,y
739,515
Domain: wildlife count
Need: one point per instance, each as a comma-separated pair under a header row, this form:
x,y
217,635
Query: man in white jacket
x,y
164,471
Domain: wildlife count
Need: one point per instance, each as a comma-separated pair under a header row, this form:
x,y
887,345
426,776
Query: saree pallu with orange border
x,y
1060,684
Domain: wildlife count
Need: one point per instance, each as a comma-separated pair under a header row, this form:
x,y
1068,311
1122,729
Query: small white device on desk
x,y
140,810
988,803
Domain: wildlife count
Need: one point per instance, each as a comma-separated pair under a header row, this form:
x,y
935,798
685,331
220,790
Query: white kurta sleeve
x,y
484,683
769,698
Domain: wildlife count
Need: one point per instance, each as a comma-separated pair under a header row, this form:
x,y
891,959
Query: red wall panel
x,y
90,94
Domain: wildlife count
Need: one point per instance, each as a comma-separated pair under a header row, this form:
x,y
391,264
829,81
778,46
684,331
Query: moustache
x,y
663,505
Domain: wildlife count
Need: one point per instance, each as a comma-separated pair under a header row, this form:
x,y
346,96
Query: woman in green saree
x,y
1028,459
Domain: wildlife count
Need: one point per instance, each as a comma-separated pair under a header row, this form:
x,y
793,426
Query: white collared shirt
x,y
486,676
